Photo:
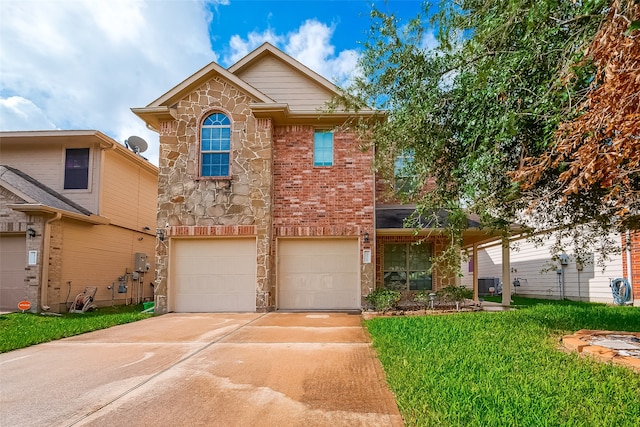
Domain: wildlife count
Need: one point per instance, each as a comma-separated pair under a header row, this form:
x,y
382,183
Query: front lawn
x,y
506,368
18,330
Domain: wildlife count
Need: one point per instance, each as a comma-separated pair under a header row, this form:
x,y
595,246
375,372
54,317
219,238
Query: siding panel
x,y
286,85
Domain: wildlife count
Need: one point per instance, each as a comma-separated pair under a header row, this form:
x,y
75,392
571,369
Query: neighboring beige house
x,y
77,209
266,201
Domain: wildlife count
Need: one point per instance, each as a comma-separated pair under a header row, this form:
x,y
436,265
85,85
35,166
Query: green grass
x,y
506,368
18,330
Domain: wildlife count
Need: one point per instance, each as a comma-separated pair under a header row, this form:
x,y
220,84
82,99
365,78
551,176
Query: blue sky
x,y
82,64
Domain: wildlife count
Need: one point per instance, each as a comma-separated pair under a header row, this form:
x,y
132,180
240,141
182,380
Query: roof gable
x,y
198,78
284,79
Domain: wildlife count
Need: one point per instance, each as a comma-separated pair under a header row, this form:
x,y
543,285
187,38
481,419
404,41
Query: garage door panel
x,y
318,274
214,275
13,258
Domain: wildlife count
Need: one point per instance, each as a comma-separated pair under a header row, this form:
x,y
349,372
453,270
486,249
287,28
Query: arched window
x,y
215,146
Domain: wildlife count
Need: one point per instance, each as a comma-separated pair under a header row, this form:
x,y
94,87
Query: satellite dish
x,y
137,144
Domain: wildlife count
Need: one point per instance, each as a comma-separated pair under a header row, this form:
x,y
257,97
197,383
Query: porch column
x,y
506,272
474,263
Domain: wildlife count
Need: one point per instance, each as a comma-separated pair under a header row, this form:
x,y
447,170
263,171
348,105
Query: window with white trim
x,y
215,146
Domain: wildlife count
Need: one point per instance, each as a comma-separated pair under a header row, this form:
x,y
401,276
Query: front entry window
x,y
407,266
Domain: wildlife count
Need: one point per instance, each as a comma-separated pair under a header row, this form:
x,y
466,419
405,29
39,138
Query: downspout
x,y
44,283
629,267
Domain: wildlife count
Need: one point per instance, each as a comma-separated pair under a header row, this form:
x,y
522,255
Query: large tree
x,y
484,103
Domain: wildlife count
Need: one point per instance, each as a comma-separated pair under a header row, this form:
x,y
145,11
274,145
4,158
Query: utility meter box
x,y
140,262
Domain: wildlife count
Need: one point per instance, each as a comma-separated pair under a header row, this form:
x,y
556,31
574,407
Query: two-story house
x,y
77,209
266,201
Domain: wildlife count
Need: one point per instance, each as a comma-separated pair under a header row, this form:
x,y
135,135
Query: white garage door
x,y
318,274
214,275
13,260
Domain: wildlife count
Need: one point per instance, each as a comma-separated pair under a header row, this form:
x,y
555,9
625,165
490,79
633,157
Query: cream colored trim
x,y
39,208
282,114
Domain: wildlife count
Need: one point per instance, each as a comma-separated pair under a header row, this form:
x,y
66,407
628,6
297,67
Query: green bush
x,y
454,294
383,299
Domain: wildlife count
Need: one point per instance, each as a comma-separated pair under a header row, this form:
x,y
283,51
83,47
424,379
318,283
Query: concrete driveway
x,y
275,369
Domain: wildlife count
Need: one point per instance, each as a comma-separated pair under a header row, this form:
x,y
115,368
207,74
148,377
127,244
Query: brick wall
x,y
635,263
308,195
335,200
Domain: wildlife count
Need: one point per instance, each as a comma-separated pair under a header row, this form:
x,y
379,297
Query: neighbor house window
x,y
215,146
407,266
404,177
323,148
76,169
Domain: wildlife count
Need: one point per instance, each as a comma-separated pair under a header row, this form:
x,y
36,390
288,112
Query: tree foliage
x,y
599,150
508,88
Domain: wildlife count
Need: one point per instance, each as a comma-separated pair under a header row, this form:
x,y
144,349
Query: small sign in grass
x,y
18,330
507,368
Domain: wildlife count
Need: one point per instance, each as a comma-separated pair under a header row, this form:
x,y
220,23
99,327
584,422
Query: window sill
x,y
214,178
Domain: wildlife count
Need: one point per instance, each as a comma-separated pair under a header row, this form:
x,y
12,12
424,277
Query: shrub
x,y
454,294
383,299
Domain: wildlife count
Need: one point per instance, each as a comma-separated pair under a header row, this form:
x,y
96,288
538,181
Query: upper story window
x,y
215,146
404,178
76,169
323,148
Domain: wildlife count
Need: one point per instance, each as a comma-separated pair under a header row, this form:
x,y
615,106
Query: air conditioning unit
x,y
484,283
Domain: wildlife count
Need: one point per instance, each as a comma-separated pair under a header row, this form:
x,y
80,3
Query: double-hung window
x,y
215,146
407,266
404,178
76,169
323,148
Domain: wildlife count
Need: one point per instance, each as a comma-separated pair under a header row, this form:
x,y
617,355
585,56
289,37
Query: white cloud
x,y
83,64
310,44
429,41
240,47
17,113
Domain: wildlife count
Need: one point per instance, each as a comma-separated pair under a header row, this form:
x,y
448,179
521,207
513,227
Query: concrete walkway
x,y
275,369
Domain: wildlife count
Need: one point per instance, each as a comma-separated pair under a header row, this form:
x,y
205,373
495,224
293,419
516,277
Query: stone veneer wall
x,y
208,207
323,201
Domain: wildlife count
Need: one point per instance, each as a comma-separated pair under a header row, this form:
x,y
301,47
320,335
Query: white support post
x,y
506,272
474,261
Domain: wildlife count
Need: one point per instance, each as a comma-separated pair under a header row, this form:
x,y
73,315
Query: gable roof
x,y
39,197
267,49
264,105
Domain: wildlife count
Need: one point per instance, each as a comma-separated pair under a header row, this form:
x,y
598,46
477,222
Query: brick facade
x,y
634,247
274,190
323,201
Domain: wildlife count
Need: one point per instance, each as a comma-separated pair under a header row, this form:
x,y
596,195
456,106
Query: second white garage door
x,y
318,274
214,275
